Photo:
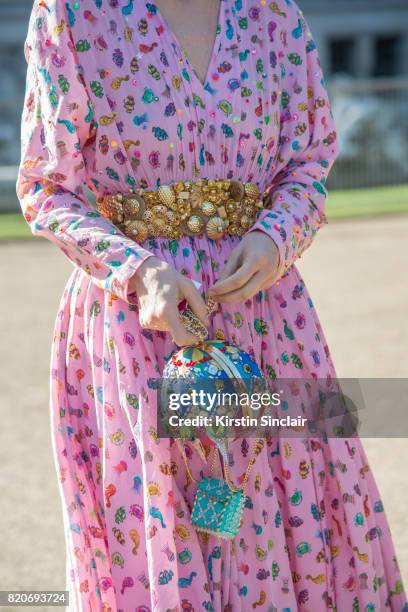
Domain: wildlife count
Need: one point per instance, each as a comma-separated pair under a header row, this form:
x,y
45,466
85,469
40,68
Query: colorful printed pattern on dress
x,y
112,103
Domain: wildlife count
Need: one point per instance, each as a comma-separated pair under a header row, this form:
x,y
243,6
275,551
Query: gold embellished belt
x,y
212,207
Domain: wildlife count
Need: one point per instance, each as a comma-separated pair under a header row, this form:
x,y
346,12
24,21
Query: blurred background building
x,y
363,46
363,39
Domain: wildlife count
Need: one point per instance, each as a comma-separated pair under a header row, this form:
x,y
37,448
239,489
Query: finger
x,y
195,301
246,292
234,282
232,264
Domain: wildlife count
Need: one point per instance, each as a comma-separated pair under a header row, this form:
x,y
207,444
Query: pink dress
x,y
113,103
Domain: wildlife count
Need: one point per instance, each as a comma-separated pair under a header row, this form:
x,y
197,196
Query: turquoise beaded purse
x,y
218,503
217,509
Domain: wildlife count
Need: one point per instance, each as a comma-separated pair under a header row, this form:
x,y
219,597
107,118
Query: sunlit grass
x,y
362,202
14,226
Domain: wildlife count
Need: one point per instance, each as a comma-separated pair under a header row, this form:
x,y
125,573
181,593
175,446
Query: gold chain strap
x,y
258,445
188,470
193,324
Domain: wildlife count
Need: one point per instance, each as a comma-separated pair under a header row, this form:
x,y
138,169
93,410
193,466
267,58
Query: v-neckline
x,y
182,50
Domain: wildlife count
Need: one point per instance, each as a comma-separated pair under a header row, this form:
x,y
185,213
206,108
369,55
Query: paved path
x,y
354,272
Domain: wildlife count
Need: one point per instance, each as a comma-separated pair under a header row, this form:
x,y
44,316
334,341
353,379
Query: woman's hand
x,y
160,288
251,267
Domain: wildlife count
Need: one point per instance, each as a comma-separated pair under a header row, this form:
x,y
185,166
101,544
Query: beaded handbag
x,y
217,510
218,504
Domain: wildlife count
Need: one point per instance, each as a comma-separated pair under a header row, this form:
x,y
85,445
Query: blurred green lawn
x,y
341,205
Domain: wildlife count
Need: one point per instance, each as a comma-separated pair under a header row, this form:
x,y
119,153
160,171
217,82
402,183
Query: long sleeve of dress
x,y
57,123
306,150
